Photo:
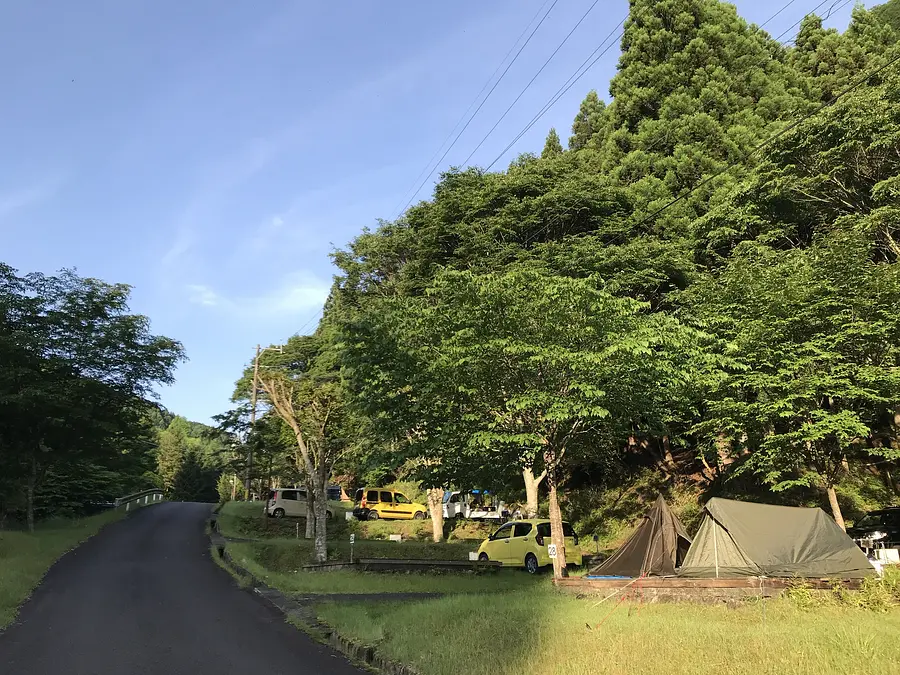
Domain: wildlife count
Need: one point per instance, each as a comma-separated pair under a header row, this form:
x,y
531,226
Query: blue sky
x,y
211,154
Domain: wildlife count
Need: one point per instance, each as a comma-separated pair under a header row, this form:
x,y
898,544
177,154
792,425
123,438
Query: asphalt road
x,y
144,596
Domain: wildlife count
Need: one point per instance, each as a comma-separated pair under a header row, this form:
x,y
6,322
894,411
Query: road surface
x,y
144,597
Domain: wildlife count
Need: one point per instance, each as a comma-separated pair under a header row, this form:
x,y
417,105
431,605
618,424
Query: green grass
x,y
283,575
25,558
542,632
247,520
289,554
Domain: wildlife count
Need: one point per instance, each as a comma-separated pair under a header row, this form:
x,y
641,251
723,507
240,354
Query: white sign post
x,y
352,539
551,551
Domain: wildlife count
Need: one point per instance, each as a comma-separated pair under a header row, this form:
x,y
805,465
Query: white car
x,y
474,505
290,502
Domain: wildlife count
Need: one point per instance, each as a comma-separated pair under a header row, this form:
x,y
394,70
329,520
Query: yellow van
x,y
523,543
375,503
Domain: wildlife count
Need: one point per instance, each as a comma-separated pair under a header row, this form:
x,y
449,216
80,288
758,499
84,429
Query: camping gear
x,y
655,549
738,539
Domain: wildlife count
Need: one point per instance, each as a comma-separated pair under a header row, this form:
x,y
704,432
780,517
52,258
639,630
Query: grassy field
x,y
542,632
280,573
25,558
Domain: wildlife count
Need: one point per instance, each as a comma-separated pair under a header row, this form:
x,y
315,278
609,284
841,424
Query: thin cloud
x,y
15,200
297,293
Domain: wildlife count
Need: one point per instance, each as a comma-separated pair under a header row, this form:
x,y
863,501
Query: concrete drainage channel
x,y
303,612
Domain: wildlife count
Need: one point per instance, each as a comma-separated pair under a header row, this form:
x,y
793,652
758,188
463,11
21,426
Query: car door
x,y
403,507
573,552
497,546
288,502
300,506
387,510
519,543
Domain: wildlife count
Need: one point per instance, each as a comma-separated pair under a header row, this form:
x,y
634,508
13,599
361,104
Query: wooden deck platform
x,y
677,589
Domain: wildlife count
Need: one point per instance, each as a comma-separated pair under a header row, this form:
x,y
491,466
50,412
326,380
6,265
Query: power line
x,y
793,125
562,90
531,81
480,105
577,76
309,321
472,104
728,87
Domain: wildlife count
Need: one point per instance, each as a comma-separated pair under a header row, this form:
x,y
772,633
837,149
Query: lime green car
x,y
524,543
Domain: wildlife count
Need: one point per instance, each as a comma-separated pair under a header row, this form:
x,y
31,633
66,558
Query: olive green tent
x,y
656,548
738,539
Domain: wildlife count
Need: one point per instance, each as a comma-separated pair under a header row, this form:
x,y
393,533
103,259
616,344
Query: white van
x,y
290,502
474,505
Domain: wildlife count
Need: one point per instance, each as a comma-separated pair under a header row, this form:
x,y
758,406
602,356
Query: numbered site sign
x,y
551,550
352,538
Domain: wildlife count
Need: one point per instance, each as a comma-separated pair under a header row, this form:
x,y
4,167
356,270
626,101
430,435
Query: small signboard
x,y
551,551
352,538
396,537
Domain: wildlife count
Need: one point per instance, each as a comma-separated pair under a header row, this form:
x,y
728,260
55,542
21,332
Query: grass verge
x,y
285,576
541,632
247,520
25,558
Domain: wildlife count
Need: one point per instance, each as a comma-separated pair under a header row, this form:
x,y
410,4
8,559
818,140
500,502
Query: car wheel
x,y
483,558
531,564
459,516
373,515
419,515
278,513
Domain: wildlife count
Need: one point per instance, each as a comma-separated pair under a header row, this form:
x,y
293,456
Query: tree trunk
x,y
531,491
835,507
723,451
321,507
556,533
436,508
29,495
667,454
310,510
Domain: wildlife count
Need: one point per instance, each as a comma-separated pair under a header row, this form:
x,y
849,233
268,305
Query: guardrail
x,y
139,499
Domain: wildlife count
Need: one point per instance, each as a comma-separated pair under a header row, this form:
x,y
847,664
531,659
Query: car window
x,y
300,494
359,495
870,520
892,518
289,494
372,496
454,499
401,498
543,529
386,497
522,529
568,531
503,533
272,494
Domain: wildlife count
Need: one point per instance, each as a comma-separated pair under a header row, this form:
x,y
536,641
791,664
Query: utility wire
x,y
531,81
727,88
578,75
568,84
480,105
471,105
793,125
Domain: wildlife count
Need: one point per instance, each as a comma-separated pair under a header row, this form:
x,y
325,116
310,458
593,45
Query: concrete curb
x,y
352,649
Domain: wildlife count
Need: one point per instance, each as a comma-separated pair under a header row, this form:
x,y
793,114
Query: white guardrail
x,y
139,499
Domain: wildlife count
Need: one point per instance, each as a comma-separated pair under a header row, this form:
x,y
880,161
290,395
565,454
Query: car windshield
x,y
871,520
446,498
